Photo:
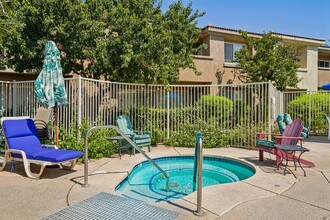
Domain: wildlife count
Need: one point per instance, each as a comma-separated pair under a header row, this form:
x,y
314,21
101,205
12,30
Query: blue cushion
x,y
55,155
22,135
19,128
27,143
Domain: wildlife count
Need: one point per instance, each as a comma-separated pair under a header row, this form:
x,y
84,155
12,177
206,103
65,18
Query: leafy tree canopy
x,y
122,40
271,60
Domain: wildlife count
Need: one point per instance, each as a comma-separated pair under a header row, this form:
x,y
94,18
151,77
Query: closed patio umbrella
x,y
326,86
49,86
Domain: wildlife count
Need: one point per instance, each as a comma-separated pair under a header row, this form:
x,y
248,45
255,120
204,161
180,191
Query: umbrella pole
x,y
56,124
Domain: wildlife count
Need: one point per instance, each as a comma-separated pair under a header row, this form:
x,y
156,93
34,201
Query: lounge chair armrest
x,y
293,138
142,132
49,146
17,152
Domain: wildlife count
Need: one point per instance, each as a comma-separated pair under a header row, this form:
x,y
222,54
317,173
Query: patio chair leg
x,y
4,162
261,155
69,167
28,170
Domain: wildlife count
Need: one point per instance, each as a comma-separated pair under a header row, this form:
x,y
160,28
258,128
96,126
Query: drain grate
x,y
108,206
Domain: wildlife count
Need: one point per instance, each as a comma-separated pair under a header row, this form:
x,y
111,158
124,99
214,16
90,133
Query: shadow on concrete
x,y
49,173
318,139
268,165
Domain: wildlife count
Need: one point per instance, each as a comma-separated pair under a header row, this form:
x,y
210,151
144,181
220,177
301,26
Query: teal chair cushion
x,y
304,134
287,119
265,143
280,122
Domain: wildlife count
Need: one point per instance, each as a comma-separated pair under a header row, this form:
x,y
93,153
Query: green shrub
x,y
218,106
98,145
246,135
241,114
157,136
186,137
314,105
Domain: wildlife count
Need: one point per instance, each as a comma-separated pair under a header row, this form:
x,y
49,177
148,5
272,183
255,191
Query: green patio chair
x,y
140,138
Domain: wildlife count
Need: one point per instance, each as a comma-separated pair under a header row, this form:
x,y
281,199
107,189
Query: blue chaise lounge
x,y
24,145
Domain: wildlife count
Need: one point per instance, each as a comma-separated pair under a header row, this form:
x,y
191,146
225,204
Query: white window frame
x,y
234,50
326,61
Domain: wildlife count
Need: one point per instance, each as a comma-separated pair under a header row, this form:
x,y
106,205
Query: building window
x,y
230,50
324,63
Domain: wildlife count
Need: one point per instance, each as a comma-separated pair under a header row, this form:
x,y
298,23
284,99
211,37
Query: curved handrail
x,y
129,141
198,167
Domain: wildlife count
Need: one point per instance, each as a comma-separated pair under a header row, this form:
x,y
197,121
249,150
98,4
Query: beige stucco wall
x,y
309,75
213,68
324,76
204,65
302,53
324,57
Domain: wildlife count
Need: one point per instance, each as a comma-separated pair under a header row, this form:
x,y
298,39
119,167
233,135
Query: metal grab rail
x,y
199,161
129,141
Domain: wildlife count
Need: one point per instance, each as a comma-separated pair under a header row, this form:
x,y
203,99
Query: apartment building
x,y
215,61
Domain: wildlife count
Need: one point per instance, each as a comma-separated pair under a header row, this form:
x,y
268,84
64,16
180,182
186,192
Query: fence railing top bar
x,y
110,82
22,82
290,92
271,84
8,82
220,85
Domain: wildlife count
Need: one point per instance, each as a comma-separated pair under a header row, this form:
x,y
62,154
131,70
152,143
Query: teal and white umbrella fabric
x,y
49,86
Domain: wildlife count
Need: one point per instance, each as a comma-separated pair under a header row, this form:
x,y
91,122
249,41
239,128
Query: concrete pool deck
x,y
267,195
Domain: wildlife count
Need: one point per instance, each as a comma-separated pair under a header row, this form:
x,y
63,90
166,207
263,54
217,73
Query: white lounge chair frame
x,y
27,162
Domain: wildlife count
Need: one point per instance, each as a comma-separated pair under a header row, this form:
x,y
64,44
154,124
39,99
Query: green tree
x,y
272,60
122,40
67,22
143,44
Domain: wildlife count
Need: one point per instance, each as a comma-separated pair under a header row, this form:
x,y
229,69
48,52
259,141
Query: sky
x,y
307,18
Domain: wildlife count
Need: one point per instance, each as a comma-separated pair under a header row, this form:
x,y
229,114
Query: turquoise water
x,y
146,183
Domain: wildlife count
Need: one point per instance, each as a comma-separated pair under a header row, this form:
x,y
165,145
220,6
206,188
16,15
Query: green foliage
x,y
130,41
272,61
157,136
244,134
222,114
215,105
314,105
212,137
66,22
98,145
241,114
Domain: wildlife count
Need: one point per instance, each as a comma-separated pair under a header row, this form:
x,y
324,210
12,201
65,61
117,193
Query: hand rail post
x,y
199,146
130,142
